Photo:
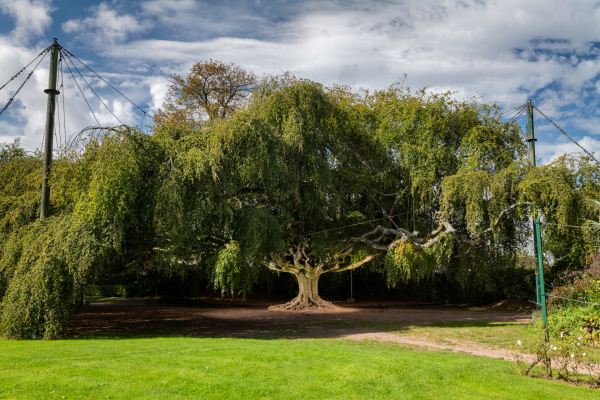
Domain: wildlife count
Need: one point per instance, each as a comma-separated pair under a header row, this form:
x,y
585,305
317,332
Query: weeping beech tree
x,y
308,180
251,190
304,179
464,177
101,203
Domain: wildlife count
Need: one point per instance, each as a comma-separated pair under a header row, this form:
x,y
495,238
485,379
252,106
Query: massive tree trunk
x,y
298,261
308,295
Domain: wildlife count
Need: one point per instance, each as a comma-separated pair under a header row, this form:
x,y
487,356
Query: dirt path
x,y
456,346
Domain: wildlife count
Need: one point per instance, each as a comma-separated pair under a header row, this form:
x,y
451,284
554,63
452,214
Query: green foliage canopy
x,y
305,179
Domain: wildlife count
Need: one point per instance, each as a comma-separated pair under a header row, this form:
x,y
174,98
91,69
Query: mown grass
x,y
493,334
129,367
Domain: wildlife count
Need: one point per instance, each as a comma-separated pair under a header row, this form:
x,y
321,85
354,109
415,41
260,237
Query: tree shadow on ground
x,y
200,318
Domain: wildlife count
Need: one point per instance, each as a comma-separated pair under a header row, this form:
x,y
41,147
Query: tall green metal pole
x,y
531,139
538,234
52,92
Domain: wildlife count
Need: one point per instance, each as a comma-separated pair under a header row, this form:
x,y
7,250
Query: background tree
x,y
11,151
211,90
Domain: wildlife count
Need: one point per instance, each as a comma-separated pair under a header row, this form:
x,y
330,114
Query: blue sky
x,y
505,51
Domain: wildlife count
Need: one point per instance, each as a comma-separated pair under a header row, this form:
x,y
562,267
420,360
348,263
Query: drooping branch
x,y
340,267
403,236
502,214
384,232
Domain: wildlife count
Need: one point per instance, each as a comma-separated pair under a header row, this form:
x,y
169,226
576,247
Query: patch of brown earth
x,y
234,320
455,346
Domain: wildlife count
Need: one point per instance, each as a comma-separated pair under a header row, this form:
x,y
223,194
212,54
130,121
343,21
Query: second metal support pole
x,y
540,259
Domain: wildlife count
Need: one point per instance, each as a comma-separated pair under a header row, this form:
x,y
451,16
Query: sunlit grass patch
x,y
146,367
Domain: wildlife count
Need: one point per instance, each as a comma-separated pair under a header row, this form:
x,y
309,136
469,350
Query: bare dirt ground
x,y
361,321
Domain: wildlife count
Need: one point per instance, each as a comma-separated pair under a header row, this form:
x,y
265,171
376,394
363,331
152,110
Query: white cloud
x,y
24,117
158,91
106,25
549,152
506,50
31,17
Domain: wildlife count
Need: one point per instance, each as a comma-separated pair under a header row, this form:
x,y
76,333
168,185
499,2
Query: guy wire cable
x,y
23,84
568,226
105,81
25,67
518,115
512,110
515,113
567,135
81,91
93,91
358,223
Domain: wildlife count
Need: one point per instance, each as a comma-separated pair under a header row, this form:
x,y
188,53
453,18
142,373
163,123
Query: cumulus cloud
x,y
503,50
549,152
106,26
31,17
507,51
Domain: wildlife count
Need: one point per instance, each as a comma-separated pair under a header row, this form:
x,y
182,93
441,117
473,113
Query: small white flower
x,y
584,354
519,342
579,338
562,334
578,344
572,355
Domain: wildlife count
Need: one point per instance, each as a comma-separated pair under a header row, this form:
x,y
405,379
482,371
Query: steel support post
x,y
52,92
540,258
531,139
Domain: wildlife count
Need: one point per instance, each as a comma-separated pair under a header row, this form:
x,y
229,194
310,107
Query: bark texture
x,y
308,296
298,261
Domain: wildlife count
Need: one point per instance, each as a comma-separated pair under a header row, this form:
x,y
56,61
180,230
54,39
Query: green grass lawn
x,y
500,334
128,367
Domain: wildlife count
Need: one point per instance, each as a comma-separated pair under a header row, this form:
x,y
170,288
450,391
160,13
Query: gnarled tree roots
x,y
308,296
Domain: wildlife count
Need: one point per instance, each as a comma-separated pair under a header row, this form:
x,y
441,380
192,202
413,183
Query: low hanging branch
x,y
432,237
